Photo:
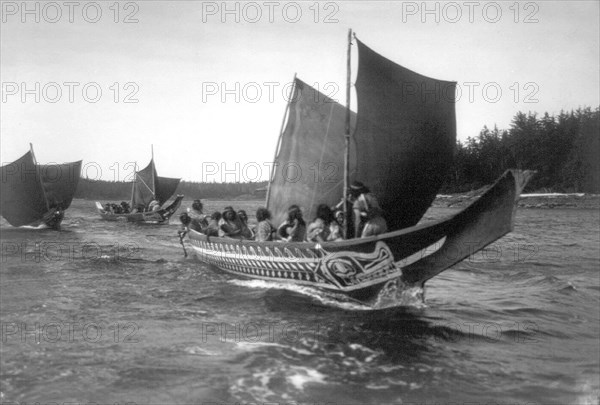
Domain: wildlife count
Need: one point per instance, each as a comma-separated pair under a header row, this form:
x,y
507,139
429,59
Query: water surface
x,y
113,313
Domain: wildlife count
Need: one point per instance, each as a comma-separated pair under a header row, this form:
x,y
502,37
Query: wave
x,y
323,297
394,294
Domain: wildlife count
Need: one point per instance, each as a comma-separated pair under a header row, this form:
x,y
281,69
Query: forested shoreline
x,y
563,149
118,190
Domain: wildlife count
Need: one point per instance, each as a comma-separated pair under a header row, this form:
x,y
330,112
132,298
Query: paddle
x,y
181,236
185,220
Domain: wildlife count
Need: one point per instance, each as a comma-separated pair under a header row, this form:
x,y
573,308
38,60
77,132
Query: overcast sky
x,y
208,91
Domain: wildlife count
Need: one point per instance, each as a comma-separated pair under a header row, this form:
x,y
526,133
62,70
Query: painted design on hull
x,y
348,268
344,270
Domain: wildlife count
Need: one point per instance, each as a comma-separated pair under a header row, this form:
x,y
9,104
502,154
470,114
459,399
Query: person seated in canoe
x,y
230,225
115,208
154,205
138,208
341,221
199,221
107,208
265,231
212,228
243,216
324,227
246,231
56,216
294,228
125,209
185,220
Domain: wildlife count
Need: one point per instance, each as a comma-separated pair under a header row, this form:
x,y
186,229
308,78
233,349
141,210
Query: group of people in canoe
x,y
327,226
125,208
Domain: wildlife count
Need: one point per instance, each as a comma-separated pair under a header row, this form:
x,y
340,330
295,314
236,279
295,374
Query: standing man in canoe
x,y
368,216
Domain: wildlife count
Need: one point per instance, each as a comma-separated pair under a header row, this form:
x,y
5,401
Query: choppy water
x,y
112,313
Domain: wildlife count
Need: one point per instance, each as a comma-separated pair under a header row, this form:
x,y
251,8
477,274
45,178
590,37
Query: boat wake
x,y
394,294
323,297
398,294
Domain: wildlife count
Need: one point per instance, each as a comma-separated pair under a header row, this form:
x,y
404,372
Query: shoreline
x,y
528,200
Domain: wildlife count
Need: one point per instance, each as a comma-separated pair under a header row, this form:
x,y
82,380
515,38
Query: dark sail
x,y
60,182
405,136
165,188
309,166
147,185
143,185
22,196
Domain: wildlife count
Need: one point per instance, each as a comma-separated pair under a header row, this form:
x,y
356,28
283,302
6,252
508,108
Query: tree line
x,y
563,149
121,191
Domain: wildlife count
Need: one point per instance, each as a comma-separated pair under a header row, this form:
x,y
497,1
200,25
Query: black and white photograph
x,y
300,202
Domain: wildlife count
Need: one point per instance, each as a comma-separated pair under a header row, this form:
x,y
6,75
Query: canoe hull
x,y
51,220
347,271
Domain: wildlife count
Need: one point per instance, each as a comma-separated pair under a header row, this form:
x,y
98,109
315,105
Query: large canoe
x,y
400,143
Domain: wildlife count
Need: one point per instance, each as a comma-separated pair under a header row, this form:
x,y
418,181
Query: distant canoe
x,y
36,195
159,217
260,192
147,186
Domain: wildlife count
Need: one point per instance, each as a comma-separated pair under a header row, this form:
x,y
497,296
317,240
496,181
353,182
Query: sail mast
x,y
153,170
347,139
287,108
39,175
133,183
